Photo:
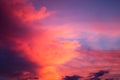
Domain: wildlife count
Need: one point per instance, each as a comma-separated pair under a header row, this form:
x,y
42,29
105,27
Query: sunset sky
x,y
51,39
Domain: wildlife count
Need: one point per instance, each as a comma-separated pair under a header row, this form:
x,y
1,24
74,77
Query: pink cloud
x,y
34,42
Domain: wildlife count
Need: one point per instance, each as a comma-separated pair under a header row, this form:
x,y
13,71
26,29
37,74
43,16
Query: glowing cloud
x,y
32,46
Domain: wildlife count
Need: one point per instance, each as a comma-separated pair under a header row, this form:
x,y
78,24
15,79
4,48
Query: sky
x,y
51,39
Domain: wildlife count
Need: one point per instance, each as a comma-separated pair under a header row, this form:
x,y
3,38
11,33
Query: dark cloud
x,y
11,26
92,76
12,61
97,75
100,73
74,77
12,64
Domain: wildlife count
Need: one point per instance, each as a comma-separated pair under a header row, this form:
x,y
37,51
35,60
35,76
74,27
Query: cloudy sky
x,y
51,39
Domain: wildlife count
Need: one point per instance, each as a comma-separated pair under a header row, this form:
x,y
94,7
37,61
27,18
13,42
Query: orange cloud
x,y
50,73
50,52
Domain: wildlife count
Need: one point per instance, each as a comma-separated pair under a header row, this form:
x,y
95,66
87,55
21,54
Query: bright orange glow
x,y
50,73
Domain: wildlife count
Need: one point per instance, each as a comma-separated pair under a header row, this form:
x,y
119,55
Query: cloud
x,y
108,28
100,73
74,77
13,64
13,33
26,11
27,48
92,61
92,76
